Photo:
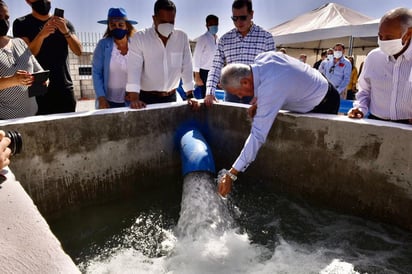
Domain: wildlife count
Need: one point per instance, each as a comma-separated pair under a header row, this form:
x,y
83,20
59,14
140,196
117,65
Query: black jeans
x,y
330,103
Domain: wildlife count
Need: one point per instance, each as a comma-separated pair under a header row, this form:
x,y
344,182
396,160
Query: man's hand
x,y
252,109
135,103
194,104
225,183
355,113
210,100
60,24
198,80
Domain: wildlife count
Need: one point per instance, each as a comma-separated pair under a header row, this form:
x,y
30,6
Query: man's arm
x,y
134,72
67,29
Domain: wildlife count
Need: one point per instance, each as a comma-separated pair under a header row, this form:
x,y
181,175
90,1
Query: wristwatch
x,y
232,176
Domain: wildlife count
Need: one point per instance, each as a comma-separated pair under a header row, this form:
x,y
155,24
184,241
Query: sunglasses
x,y
241,17
332,69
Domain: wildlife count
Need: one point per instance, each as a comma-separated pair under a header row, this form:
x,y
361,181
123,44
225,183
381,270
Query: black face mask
x,y
41,6
118,33
4,27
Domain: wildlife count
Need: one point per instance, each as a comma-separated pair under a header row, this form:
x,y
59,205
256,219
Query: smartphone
x,y
59,12
38,87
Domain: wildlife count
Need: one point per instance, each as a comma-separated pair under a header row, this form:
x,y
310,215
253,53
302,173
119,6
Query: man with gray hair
x,y
276,81
385,84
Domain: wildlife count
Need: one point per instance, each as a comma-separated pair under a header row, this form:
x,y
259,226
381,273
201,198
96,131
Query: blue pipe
x,y
195,152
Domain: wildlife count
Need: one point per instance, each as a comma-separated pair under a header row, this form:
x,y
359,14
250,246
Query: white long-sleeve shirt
x,y
280,82
385,85
204,52
151,66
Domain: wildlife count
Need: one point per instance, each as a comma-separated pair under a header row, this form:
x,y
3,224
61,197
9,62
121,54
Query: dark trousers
x,y
56,101
403,121
330,103
203,75
149,98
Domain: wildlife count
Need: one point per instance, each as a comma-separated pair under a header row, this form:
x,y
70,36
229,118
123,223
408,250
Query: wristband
x,y
232,176
67,34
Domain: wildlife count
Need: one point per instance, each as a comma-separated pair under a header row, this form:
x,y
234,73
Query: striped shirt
x,y
15,101
234,48
385,86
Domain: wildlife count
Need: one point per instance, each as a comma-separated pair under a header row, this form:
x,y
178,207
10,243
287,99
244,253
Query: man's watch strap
x,y
232,176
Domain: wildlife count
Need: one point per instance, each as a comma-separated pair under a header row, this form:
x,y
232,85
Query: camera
x,y
16,143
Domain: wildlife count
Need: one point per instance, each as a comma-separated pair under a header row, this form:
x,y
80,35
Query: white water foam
x,y
206,240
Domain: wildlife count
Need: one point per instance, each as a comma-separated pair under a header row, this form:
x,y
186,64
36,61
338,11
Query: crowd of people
x,y
135,68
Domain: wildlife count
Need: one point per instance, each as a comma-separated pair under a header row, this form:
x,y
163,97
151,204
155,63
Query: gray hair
x,y
232,74
404,16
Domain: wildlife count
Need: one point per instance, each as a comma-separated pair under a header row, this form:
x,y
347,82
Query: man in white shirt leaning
x,y
158,58
385,84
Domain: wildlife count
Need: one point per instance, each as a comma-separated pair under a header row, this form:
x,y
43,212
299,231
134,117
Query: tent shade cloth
x,y
325,26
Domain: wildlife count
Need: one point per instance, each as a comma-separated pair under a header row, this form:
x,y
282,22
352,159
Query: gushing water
x,y
207,240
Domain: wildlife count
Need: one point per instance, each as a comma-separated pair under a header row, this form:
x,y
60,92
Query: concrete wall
x,y
358,167
73,160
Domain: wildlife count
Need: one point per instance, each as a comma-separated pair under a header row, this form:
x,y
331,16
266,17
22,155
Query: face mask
x,y
390,47
213,29
42,7
165,29
337,54
118,34
330,56
4,27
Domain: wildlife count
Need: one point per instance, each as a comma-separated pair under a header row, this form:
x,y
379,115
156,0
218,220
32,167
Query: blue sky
x,y
191,13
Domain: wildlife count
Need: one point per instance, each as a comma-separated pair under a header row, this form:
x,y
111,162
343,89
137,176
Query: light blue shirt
x,y
338,73
280,82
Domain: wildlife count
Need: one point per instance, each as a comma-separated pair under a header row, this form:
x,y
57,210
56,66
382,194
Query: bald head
x,y
402,16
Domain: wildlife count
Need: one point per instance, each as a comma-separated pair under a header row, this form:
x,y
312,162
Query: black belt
x,y
159,93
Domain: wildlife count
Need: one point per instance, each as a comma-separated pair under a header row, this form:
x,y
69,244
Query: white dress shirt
x,y
280,82
152,66
385,85
204,52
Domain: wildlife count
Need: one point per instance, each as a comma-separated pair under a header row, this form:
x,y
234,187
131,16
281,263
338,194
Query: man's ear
x,y
246,82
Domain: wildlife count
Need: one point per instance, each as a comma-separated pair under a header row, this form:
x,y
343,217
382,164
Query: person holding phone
x,y
49,39
16,65
110,60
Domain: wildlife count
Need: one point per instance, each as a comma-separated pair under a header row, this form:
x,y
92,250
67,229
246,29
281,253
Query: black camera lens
x,y
16,141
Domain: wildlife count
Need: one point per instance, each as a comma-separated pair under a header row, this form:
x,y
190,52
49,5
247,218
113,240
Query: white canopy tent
x,y
322,28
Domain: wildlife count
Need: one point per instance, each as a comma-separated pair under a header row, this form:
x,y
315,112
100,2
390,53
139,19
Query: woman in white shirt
x,y
110,60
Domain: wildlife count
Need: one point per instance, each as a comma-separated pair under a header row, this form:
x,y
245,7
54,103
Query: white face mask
x,y
337,54
165,29
330,56
390,47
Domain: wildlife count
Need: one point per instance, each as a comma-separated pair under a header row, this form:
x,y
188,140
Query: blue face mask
x,y
118,34
213,30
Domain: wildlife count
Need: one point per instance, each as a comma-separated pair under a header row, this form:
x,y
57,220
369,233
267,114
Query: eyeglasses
x,y
241,17
332,69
